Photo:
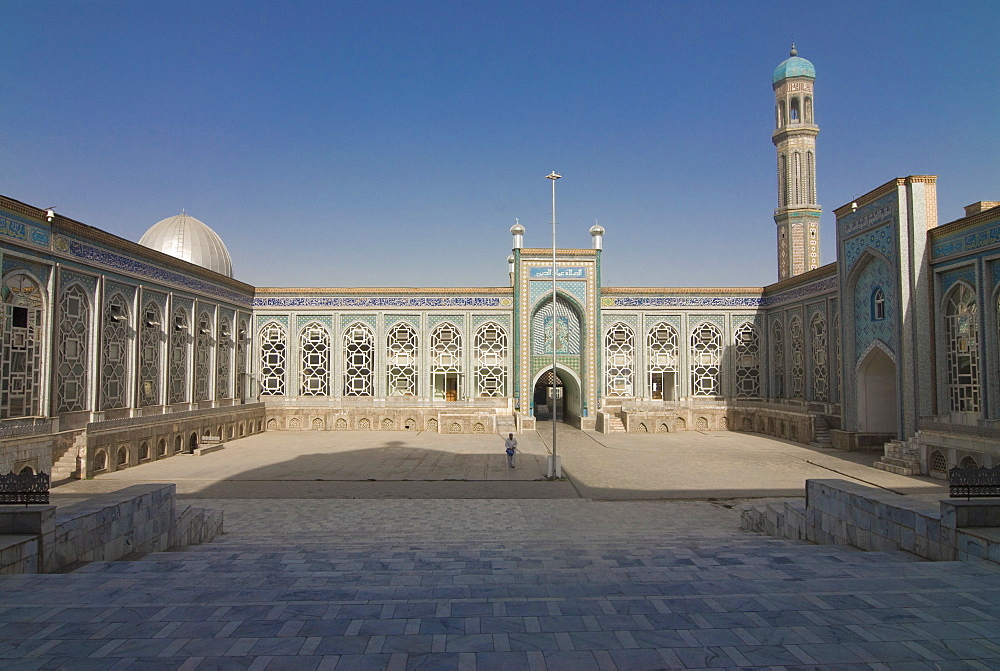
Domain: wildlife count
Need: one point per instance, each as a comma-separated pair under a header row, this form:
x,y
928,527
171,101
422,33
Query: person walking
x,y
511,447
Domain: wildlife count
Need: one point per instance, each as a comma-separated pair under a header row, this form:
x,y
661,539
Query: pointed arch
x,y
797,368
747,350
150,354
662,354
178,387
619,360
314,360
73,349
21,329
491,360
115,347
820,369
706,360
402,352
446,361
224,359
567,333
961,312
359,360
273,348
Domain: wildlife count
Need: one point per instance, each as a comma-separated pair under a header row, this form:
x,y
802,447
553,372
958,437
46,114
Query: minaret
x,y
794,137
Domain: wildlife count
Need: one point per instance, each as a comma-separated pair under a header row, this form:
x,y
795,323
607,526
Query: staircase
x,y
614,424
901,457
497,584
67,466
821,430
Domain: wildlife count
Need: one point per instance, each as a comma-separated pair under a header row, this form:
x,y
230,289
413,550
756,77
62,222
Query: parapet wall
x,y
839,512
141,518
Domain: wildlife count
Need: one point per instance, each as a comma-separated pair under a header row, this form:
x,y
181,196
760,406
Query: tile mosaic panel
x,y
39,270
879,213
347,320
16,228
718,320
966,274
673,320
965,241
502,320
264,319
567,330
825,285
412,320
126,290
383,301
867,330
682,301
880,239
88,282
539,290
457,320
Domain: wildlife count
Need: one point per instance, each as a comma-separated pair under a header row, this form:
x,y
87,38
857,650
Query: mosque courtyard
x,y
377,550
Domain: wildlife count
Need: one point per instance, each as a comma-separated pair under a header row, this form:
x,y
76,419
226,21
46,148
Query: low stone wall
x,y
121,443
838,512
141,518
456,419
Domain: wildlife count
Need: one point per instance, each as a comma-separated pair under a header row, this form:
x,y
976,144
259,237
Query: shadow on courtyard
x,y
633,469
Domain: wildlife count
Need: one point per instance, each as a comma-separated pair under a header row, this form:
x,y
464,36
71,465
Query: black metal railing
x,y
973,481
26,488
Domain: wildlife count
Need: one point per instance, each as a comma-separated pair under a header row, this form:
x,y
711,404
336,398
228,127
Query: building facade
x,y
116,353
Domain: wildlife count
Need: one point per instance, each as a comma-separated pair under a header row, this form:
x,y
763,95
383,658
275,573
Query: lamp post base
x,y
554,467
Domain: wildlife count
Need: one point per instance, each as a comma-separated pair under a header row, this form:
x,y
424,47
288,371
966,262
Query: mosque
x,y
116,353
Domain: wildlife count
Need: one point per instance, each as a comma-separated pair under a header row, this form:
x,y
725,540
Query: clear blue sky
x,y
393,144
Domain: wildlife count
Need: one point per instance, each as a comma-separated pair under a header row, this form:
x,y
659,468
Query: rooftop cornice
x,y
541,251
382,291
680,291
991,214
884,190
64,225
805,278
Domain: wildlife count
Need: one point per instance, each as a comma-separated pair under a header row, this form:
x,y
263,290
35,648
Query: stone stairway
x,y
67,466
614,424
901,457
506,424
821,431
421,585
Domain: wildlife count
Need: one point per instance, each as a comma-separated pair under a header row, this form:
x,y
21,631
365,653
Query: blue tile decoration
x,y
866,330
966,274
301,321
347,320
39,270
456,320
502,320
126,290
381,302
562,272
718,320
879,213
612,319
817,288
995,267
412,320
568,330
266,319
740,320
109,259
540,290
16,228
88,282
673,320
683,301
980,237
879,239
154,297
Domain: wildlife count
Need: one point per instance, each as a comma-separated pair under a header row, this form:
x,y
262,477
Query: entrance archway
x,y
877,407
568,402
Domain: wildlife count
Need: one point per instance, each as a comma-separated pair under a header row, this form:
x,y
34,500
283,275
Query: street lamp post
x,y
555,468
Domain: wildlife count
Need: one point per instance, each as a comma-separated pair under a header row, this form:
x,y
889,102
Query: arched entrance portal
x,y
877,408
568,403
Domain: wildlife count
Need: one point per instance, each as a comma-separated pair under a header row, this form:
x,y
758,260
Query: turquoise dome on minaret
x,y
793,67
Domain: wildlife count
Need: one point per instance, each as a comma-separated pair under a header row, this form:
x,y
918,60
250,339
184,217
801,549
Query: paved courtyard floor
x,y
348,551
365,464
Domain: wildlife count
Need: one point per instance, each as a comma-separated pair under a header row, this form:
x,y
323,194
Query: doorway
x,y
877,406
568,402
446,386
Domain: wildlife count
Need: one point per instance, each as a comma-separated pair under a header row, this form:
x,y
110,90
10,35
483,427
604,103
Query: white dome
x,y
189,239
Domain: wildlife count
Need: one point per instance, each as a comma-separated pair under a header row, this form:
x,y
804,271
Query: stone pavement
x,y
323,580
370,464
